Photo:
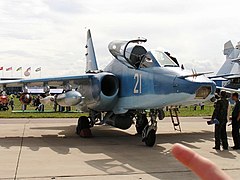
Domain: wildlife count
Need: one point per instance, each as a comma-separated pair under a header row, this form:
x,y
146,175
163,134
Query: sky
x,y
51,34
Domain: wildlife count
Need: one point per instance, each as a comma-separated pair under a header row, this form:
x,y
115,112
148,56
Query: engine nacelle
x,y
102,93
70,98
25,98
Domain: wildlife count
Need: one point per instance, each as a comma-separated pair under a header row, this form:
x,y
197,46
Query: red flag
x,y
9,69
1,68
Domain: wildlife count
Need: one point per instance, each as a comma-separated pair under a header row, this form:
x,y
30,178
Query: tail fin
x,y
91,62
229,66
228,48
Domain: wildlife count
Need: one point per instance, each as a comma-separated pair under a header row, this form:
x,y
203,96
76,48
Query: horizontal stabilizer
x,y
237,60
222,76
228,89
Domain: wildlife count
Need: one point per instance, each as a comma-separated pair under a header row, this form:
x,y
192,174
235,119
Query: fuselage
x,y
157,87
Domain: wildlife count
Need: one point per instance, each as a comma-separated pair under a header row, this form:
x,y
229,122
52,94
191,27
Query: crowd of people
x,y
36,102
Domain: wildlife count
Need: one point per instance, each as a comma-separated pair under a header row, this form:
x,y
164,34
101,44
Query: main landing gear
x,y
144,126
83,127
85,123
147,128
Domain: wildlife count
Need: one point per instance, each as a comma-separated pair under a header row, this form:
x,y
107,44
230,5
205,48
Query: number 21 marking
x,y
138,84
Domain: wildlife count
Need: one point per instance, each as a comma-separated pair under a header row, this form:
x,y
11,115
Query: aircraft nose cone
x,y
199,89
205,90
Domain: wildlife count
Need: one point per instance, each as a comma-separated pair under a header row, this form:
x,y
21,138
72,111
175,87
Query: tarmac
x,y
50,149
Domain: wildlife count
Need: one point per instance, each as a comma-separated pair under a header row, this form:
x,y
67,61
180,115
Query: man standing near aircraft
x,y
220,113
236,122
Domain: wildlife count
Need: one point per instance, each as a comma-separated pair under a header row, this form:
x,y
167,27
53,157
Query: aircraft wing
x,y
54,81
233,76
226,76
228,89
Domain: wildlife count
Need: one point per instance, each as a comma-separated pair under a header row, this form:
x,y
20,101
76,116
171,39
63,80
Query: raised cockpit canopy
x,y
133,55
128,51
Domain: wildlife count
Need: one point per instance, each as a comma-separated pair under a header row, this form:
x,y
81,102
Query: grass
x,y
49,113
188,111
9,114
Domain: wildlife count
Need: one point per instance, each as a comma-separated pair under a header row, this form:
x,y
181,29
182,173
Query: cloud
x,y
63,6
52,34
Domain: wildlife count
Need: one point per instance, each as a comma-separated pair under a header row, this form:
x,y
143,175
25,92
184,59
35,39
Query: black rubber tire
x,y
161,114
141,123
151,138
83,123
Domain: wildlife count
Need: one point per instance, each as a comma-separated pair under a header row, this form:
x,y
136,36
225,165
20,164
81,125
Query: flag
x,y
19,69
9,69
28,69
1,68
38,69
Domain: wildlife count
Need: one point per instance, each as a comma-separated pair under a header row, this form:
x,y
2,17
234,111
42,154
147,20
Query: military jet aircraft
x,y
135,80
228,76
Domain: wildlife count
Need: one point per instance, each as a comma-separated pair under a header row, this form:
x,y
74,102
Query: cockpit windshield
x,y
163,59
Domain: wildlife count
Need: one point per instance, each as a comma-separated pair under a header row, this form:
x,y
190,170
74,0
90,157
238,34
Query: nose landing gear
x,y
149,132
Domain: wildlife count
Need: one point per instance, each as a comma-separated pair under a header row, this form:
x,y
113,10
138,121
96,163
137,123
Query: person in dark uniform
x,y
236,122
37,102
220,113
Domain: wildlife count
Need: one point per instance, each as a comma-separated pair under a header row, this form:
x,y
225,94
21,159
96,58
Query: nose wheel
x,y
149,132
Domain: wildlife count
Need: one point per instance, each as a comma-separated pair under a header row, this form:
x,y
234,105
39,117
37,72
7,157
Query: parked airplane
x,y
228,76
136,80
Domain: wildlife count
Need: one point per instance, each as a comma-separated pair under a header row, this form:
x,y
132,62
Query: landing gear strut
x,y
95,117
141,122
149,132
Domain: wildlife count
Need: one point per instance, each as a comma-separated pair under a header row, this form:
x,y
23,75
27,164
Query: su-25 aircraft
x,y
135,80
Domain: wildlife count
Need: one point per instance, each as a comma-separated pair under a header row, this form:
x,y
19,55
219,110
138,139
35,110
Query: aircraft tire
x,y
161,114
78,130
83,123
150,139
141,123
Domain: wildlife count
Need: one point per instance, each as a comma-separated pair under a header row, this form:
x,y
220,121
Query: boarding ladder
x,y
175,120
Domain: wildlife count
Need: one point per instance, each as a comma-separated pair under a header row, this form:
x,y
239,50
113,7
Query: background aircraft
x,y
135,80
228,76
